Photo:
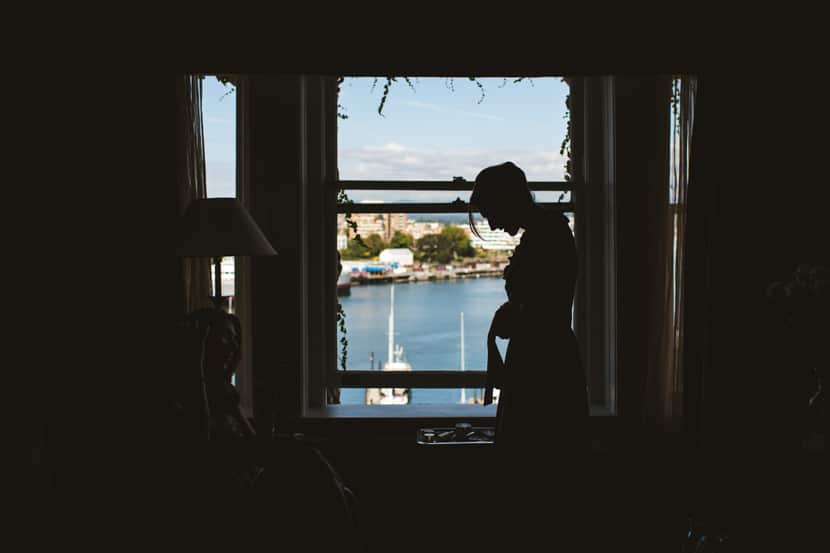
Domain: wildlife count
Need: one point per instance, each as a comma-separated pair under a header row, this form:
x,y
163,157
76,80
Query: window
x,y
219,119
288,164
418,306
219,122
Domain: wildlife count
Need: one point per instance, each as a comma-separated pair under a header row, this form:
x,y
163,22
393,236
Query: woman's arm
x,y
507,319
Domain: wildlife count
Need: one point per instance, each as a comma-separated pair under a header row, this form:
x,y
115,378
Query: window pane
x,y
430,293
435,272
444,283
426,326
441,128
219,122
219,119
415,396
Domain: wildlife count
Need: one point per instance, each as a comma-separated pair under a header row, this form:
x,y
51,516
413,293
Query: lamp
x,y
218,227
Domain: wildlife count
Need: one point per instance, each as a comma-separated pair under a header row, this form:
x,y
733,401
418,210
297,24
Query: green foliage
x,y
334,393
401,240
366,248
434,248
449,244
375,244
226,81
675,103
459,241
340,108
565,148
344,200
355,250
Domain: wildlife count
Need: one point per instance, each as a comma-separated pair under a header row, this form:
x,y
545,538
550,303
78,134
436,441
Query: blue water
x,y
427,325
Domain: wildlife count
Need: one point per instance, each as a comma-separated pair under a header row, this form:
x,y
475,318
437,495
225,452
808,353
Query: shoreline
x,y
428,277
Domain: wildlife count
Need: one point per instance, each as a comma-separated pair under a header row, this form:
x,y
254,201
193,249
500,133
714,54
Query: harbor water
x,y
427,326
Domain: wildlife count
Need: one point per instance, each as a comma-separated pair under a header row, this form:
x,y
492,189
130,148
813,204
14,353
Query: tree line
x,y
450,244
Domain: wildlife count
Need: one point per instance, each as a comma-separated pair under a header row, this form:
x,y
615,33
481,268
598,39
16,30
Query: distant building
x,y
342,241
369,223
494,239
401,256
395,222
382,224
419,230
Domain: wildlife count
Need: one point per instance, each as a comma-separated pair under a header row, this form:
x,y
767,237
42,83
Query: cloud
x,y
395,161
440,109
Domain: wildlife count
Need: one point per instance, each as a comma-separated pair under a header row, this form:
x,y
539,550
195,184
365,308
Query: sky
x,y
219,119
434,130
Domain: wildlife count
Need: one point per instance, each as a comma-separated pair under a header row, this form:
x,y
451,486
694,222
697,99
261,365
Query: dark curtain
x,y
191,180
701,200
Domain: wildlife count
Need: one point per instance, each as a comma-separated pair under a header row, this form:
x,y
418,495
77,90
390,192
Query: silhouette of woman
x,y
543,397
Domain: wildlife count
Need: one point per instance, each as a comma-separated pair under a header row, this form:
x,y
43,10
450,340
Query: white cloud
x,y
390,147
396,161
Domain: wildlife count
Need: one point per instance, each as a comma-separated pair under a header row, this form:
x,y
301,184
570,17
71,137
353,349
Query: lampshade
x,y
218,227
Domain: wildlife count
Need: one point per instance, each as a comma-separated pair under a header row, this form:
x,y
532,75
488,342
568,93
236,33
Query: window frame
x,y
334,376
286,119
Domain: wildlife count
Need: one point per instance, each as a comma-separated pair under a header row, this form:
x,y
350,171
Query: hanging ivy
x,y
565,147
675,103
389,81
344,200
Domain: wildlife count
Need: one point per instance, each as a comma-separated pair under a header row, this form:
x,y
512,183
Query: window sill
x,y
386,422
408,412
427,411
401,422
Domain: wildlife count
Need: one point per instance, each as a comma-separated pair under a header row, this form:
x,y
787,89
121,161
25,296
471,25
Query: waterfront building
x,y
382,224
420,229
369,223
342,240
401,256
395,222
494,239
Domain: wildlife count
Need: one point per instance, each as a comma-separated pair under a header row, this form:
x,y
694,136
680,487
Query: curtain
x,y
663,404
190,147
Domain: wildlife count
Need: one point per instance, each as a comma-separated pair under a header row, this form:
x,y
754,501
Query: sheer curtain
x,y
663,404
190,180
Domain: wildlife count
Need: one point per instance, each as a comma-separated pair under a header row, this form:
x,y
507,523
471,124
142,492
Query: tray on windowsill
x,y
459,435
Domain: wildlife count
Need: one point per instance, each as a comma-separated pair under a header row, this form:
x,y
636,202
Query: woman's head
x,y
501,196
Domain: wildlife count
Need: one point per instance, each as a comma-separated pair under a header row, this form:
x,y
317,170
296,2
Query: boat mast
x,y
390,356
463,397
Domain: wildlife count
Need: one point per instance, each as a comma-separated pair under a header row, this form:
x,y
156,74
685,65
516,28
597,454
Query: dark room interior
x,y
731,456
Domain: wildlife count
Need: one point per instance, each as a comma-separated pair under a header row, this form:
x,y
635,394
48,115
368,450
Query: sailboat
x,y
394,362
463,390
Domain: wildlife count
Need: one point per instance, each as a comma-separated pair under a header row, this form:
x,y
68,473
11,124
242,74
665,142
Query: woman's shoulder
x,y
550,227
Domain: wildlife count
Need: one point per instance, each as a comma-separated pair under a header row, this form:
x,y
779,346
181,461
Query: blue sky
x,y
219,117
429,133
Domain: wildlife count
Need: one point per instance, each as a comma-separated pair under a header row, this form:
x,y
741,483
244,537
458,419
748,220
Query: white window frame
x,y
589,281
300,388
